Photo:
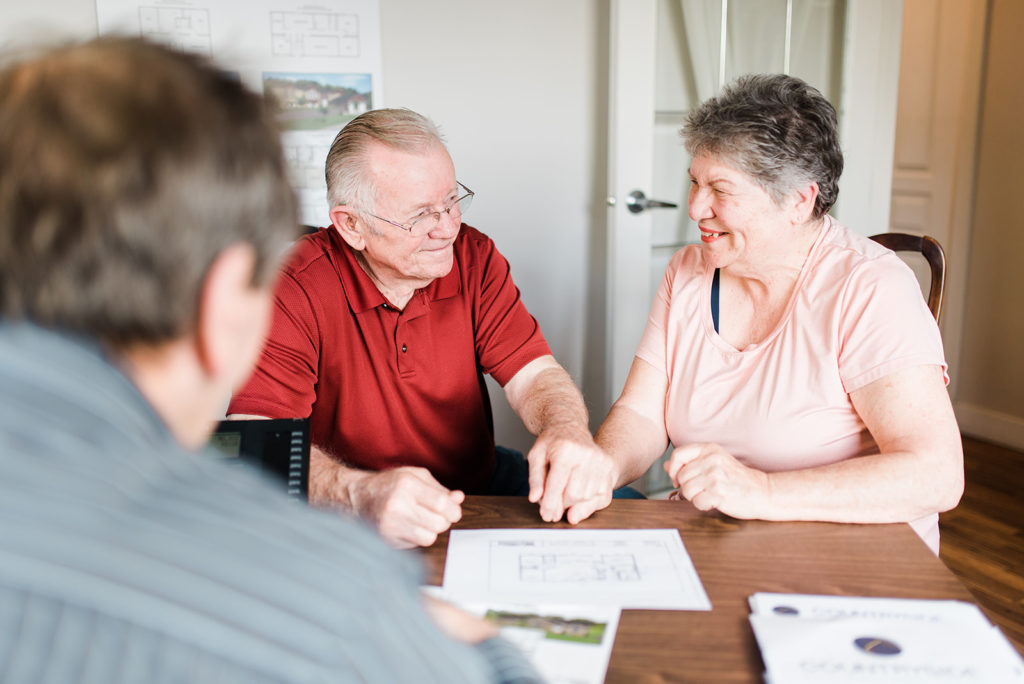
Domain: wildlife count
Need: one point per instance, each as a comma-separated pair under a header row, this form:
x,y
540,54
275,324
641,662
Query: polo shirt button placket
x,y
403,357
405,366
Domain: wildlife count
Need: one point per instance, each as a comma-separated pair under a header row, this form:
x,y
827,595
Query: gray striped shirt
x,y
124,558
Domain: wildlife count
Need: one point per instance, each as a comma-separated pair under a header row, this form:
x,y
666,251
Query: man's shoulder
x,y
312,254
474,244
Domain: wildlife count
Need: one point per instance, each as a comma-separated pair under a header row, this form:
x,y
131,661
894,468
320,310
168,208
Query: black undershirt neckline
x,y
714,298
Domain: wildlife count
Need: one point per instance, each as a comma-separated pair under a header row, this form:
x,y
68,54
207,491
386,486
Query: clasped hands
x,y
709,477
568,475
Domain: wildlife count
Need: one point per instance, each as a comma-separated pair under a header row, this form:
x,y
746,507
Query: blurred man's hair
x,y
125,169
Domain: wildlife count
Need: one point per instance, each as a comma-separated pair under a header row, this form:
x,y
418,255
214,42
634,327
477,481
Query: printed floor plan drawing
x,y
319,61
624,568
181,27
556,567
314,34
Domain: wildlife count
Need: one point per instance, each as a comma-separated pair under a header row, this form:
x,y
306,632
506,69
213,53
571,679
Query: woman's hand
x,y
710,477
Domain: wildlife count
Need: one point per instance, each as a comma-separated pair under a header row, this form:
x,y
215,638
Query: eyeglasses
x,y
425,223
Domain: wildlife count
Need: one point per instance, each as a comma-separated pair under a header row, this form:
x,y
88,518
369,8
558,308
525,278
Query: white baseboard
x,y
989,425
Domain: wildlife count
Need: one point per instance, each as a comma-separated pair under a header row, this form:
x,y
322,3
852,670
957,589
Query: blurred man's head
x,y
144,204
125,169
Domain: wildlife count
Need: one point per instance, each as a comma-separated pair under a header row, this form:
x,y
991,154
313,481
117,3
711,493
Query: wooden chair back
x,y
932,252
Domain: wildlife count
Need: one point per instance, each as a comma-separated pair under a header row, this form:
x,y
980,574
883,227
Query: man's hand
x,y
406,505
569,474
710,477
457,623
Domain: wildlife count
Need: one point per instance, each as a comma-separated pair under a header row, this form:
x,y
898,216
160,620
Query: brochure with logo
x,y
839,639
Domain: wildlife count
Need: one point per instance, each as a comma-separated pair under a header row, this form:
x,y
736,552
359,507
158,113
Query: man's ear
x,y
228,317
344,219
803,201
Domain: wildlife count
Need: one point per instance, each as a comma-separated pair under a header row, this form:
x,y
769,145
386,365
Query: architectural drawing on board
x,y
305,164
576,567
184,28
314,34
320,60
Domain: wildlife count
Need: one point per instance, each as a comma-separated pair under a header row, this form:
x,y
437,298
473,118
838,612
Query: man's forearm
x,y
546,397
330,481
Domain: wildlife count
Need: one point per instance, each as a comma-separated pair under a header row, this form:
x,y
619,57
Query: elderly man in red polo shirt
x,y
384,325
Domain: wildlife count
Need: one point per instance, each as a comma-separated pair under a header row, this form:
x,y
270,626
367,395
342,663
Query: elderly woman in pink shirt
x,y
791,362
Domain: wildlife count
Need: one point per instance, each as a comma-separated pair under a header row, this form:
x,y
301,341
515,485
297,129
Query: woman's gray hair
x,y
348,181
777,129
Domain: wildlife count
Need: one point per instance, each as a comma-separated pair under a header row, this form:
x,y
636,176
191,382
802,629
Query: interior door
x,y
666,56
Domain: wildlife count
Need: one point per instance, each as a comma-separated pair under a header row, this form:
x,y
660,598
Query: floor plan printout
x,y
643,569
318,62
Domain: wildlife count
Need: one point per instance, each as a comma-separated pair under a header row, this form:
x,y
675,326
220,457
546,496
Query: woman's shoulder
x,y
688,260
842,242
858,272
845,253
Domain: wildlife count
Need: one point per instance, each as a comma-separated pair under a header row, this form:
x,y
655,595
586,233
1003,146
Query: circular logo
x,y
877,646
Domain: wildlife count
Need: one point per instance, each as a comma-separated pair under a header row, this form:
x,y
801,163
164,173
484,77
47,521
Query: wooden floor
x,y
983,538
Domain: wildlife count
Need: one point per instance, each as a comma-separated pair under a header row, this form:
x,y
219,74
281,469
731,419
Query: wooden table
x,y
734,558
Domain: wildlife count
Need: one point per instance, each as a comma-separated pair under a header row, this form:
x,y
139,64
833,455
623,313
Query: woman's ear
x,y
803,201
344,219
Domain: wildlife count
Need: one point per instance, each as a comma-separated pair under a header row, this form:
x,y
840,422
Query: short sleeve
x,y
283,384
885,325
507,337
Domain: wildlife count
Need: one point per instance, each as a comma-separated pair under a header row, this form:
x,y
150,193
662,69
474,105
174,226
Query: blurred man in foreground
x,y
143,204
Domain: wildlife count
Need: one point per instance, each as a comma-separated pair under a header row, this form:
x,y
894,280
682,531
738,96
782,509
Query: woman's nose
x,y
699,204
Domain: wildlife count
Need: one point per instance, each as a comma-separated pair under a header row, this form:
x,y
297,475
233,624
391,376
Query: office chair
x,y
931,250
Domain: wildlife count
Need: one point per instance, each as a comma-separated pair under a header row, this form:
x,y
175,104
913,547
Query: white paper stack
x,y
558,593
839,639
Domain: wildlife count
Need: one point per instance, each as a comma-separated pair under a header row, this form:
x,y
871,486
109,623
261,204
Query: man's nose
x,y
448,225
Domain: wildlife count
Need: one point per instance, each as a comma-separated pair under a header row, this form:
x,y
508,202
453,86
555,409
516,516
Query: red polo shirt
x,y
385,388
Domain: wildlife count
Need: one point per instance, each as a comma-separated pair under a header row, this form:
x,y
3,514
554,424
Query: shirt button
x,y
385,305
404,348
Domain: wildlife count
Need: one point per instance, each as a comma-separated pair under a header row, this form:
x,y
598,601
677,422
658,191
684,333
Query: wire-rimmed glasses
x,y
425,223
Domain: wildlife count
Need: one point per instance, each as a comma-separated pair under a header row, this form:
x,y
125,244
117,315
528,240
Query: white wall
x,y
514,87
518,89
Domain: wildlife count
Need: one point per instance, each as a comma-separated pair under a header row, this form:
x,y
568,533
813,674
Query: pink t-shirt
x,y
856,315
